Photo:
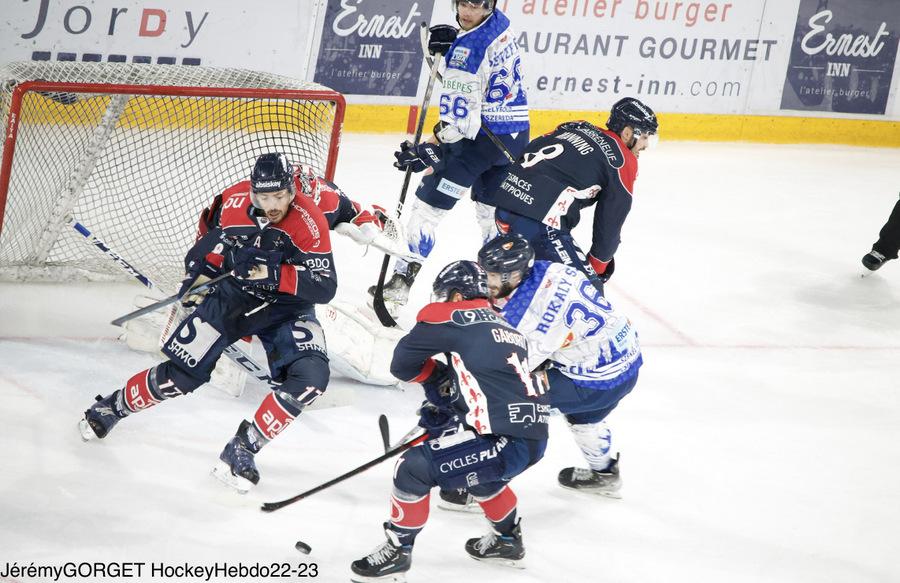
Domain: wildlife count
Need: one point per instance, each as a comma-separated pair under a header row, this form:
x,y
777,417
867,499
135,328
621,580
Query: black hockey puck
x,y
302,547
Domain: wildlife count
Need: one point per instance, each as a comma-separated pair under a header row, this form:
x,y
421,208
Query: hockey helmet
x,y
507,255
465,277
272,172
630,112
486,4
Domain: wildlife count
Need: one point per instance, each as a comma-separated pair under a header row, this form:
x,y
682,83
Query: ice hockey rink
x,y
762,443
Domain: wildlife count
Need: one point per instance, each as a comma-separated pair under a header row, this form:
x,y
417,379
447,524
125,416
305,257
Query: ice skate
x,y
100,418
873,260
494,547
396,289
458,500
604,483
236,467
388,562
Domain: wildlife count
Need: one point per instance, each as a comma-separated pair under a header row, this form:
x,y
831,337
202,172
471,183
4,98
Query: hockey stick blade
x,y
381,311
273,506
385,429
165,302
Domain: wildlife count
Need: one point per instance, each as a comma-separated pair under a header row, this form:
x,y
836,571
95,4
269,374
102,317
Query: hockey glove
x,y
439,387
374,216
440,38
258,271
603,269
438,421
417,158
200,269
191,300
447,133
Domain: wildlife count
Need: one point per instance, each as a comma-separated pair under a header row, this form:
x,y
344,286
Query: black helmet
x,y
271,173
465,277
631,112
507,255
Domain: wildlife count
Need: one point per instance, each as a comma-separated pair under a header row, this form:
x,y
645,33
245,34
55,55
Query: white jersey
x,y
483,80
567,320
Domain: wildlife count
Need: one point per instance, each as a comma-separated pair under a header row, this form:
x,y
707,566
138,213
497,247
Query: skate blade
x,y
510,563
464,508
223,473
614,494
392,578
87,434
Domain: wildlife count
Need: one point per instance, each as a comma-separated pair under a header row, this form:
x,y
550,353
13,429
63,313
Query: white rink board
x,y
711,57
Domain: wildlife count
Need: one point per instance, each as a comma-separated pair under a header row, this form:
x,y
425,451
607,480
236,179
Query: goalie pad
x,y
390,240
359,347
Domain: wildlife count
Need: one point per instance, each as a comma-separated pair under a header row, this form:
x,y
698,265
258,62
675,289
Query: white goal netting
x,y
134,153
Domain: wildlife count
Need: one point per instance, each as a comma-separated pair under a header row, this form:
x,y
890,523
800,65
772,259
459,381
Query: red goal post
x,y
135,152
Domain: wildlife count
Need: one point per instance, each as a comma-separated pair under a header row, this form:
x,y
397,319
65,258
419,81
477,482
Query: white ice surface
x,y
762,442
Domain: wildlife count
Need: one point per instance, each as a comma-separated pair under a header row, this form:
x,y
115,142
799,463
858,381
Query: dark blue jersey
x,y
567,170
489,365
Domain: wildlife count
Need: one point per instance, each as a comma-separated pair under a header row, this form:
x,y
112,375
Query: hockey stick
x,y
385,429
423,39
272,506
233,352
167,301
104,248
378,300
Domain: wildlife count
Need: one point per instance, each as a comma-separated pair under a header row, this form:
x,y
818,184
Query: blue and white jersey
x,y
566,319
483,80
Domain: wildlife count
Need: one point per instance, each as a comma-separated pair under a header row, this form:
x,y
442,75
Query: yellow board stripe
x,y
262,115
673,126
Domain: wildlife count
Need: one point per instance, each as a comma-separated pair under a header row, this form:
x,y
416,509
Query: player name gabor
x,y
509,337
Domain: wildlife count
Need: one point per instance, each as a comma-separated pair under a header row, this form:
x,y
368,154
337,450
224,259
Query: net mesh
x,y
137,166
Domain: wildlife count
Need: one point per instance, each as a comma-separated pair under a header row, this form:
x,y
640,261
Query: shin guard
x,y
500,509
595,442
409,513
273,415
146,389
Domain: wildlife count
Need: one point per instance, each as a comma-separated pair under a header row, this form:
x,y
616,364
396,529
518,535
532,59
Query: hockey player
x,y
589,351
277,247
569,169
365,225
888,244
482,87
486,416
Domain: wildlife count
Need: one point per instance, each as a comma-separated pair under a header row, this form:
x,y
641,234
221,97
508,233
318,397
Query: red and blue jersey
x,y
307,275
567,170
488,360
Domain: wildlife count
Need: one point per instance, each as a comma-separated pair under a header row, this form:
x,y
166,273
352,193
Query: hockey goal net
x,y
134,153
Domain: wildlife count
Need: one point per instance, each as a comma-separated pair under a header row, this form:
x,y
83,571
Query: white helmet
x,y
488,4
